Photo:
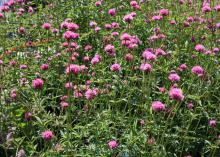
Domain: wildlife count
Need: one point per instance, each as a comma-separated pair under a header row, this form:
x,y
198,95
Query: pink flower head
x,y
69,85
64,104
128,18
68,35
157,106
93,24
129,57
173,77
112,12
30,10
112,144
110,50
44,66
176,94
73,68
164,12
98,3
218,25
21,30
206,8
27,116
157,17
148,55
91,94
133,3
37,83
13,94
183,67
212,123
198,70
46,26
217,8
145,67
72,26
115,67
1,16
199,48
190,105
96,59
47,135
23,66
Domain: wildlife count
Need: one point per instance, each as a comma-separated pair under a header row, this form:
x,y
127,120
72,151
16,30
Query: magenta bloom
x,y
47,135
148,55
212,123
157,106
128,18
145,67
73,68
164,12
37,83
174,77
110,50
44,67
198,70
112,12
112,144
46,26
115,67
68,35
98,3
176,94
91,94
199,48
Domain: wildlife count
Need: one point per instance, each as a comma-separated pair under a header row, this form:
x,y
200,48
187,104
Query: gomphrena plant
x,y
110,78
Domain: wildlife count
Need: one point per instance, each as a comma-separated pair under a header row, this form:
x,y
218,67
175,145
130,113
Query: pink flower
x,y
133,3
68,35
64,104
129,57
164,12
157,106
145,67
27,116
198,70
46,26
1,16
110,50
173,77
96,59
69,85
112,12
157,17
217,8
44,67
199,48
176,94
183,67
91,94
21,30
128,18
190,105
115,67
47,135
98,3
13,94
73,68
72,26
112,144
37,83
206,8
148,55
212,123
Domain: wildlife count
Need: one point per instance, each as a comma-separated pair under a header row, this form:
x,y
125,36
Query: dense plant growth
x,y
110,78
